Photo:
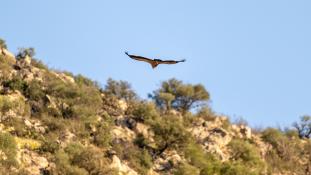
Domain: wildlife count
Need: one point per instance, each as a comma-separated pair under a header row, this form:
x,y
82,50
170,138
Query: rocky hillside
x,y
53,122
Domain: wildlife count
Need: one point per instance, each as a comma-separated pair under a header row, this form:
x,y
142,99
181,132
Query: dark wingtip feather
x,y
126,53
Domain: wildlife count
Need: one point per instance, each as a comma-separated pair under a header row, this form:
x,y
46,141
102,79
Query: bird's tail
x,y
182,60
126,53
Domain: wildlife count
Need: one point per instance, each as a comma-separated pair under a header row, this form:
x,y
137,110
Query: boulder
x,y
123,105
123,133
167,161
145,131
242,131
33,162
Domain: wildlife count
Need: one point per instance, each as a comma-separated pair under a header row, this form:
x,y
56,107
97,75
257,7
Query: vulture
x,y
154,62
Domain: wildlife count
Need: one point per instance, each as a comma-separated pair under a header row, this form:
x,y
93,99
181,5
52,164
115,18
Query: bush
x,y
236,168
92,160
206,113
79,100
16,83
272,136
39,64
23,52
6,65
17,105
205,162
64,166
304,127
243,151
34,91
81,80
186,169
139,159
8,150
103,136
284,153
169,133
145,112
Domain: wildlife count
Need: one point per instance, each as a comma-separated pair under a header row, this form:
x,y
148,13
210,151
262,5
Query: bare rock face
x,y
29,73
121,167
36,125
217,141
123,133
66,137
123,105
18,102
24,62
65,78
33,162
212,136
167,161
242,131
145,131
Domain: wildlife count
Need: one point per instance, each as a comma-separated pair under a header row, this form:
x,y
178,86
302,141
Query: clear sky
x,y
253,56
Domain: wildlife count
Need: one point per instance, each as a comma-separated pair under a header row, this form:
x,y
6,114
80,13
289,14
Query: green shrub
x,y
64,166
186,169
8,150
50,146
111,105
103,136
243,151
16,83
145,112
92,160
74,149
39,64
206,113
169,133
15,104
23,52
34,91
272,136
6,104
81,80
284,153
81,100
6,65
19,127
205,162
236,168
304,127
139,159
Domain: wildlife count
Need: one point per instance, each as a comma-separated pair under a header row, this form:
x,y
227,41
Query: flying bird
x,y
154,62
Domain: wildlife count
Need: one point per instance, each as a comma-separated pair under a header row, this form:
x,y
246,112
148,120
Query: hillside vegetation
x,y
54,122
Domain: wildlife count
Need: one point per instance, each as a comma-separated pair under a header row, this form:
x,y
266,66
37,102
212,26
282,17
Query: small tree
x,y
177,95
23,52
304,126
121,89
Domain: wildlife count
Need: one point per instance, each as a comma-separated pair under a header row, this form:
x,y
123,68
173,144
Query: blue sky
x,y
254,57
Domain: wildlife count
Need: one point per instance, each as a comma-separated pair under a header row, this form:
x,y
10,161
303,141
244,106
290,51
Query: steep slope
x,y
53,122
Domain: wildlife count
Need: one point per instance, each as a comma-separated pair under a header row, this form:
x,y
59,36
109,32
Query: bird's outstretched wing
x,y
170,61
140,58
